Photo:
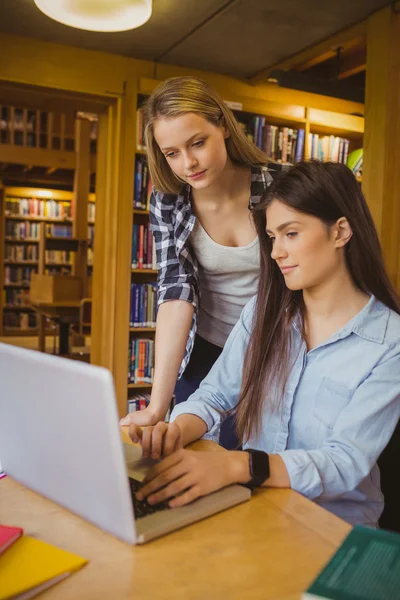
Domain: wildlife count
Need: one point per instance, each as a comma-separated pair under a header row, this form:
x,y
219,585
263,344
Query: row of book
x,y
328,147
143,248
22,230
143,184
21,252
21,275
141,401
19,297
19,320
58,256
34,207
143,308
280,144
141,361
138,402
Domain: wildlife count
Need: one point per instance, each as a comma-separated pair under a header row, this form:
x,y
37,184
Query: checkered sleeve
x,y
176,280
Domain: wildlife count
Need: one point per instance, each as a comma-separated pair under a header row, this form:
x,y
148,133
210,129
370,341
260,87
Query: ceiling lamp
x,y
98,15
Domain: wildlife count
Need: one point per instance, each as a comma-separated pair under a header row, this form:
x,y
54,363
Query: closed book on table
x,y
8,535
365,567
31,566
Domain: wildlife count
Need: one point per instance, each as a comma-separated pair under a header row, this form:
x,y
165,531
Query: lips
x,y
288,269
197,175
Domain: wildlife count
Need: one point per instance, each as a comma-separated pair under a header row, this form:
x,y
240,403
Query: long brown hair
x,y
177,96
327,191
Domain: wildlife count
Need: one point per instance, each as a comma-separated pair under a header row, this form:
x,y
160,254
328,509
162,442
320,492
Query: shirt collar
x,y
370,323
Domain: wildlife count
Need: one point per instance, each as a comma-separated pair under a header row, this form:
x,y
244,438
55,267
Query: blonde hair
x,y
177,96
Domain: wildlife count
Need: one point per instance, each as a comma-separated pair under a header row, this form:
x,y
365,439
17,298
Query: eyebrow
x,y
283,226
187,142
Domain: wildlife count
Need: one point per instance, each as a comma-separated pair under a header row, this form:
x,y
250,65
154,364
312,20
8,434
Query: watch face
x,y
259,466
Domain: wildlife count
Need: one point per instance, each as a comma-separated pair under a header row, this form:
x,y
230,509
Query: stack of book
x,y
29,566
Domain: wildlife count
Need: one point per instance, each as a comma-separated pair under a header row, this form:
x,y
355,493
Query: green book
x,y
365,567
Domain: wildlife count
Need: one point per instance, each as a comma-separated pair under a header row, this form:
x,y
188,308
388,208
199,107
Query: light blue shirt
x,y
340,408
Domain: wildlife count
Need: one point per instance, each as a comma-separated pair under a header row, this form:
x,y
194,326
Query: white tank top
x,y
228,279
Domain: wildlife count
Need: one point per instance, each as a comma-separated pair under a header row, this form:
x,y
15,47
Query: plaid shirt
x,y
172,220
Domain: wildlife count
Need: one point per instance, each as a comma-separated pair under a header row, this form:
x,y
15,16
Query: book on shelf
x,y
365,567
20,230
143,184
31,566
143,305
34,207
355,162
141,401
138,402
282,144
22,252
18,275
143,247
328,147
140,361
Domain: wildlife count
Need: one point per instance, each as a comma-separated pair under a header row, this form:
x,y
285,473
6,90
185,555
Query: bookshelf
x,y
327,135
36,227
32,136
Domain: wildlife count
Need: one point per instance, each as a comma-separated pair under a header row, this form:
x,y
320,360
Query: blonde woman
x,y
206,175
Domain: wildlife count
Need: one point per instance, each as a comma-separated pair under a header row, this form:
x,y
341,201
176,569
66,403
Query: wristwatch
x,y
259,467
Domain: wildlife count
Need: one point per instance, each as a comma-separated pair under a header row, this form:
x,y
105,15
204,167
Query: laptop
x,y
60,436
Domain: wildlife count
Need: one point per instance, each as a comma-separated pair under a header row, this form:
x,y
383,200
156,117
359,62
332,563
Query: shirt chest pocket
x,y
331,398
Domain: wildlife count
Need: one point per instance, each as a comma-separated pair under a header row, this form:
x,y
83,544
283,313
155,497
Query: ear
x,y
224,128
342,232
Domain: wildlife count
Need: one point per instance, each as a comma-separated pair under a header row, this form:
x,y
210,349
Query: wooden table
x,y
268,548
64,313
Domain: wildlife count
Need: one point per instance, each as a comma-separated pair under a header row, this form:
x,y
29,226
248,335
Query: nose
x,y
189,161
278,250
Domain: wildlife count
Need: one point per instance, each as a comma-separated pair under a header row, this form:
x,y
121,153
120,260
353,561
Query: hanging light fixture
x,y
98,15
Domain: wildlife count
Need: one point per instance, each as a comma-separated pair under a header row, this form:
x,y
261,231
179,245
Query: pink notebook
x,y
8,535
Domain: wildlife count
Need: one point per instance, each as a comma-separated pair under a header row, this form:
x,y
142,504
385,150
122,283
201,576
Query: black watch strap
x,y
258,466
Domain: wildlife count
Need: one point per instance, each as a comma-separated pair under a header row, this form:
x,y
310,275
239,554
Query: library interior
x,y
92,252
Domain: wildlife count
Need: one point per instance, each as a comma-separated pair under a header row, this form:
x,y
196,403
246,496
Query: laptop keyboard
x,y
141,507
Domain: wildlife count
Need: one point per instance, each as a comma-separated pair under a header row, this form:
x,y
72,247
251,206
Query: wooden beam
x,y
381,175
80,200
348,38
353,63
2,236
113,240
40,157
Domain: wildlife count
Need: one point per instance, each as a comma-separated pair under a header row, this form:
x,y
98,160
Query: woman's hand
x,y
157,441
143,418
186,475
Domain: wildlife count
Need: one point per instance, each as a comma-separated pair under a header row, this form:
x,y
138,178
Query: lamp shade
x,y
98,15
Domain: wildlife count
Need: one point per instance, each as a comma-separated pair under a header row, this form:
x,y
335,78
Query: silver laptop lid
x,y
59,436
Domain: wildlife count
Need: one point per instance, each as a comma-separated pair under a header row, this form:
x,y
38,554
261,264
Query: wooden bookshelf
x,y
51,242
